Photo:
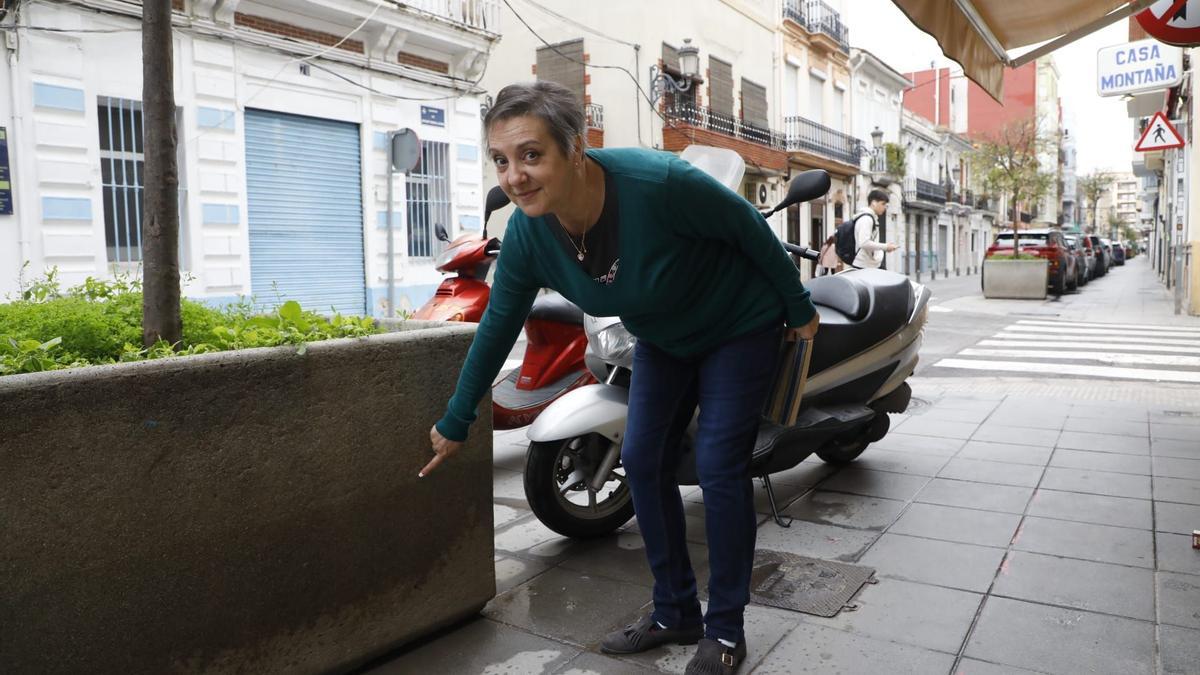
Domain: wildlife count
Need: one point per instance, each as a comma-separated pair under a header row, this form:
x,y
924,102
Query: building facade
x,y
283,113
877,93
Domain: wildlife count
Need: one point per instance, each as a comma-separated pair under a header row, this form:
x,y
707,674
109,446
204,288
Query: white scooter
x,y
872,323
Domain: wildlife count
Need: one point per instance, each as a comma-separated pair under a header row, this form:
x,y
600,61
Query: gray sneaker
x,y
644,635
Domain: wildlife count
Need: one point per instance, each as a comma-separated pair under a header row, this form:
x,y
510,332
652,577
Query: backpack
x,y
846,244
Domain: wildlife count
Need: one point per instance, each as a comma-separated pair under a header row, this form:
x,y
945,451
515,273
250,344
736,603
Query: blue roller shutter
x,y
304,195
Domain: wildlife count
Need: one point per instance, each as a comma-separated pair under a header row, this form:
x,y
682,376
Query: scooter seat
x,y
858,310
554,307
842,293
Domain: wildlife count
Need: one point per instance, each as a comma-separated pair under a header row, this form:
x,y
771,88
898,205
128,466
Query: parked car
x,y
1103,258
1083,262
1118,251
1044,243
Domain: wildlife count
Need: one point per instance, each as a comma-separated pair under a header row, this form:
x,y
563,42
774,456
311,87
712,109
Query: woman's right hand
x,y
443,448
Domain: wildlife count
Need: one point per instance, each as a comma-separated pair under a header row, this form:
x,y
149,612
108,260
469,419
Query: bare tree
x,y
1008,162
1094,186
160,227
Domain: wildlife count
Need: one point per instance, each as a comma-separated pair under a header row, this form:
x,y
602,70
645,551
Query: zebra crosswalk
x,y
1086,349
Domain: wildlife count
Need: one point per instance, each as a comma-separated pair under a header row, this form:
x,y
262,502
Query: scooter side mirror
x,y
440,232
495,200
806,186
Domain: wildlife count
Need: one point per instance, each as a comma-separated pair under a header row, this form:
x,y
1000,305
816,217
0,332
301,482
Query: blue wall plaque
x,y
434,117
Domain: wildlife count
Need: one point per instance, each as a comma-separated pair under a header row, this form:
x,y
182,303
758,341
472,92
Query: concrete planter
x,y
254,511
1018,279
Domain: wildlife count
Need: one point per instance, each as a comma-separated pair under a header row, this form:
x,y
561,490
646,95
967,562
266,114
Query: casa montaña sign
x,y
1137,68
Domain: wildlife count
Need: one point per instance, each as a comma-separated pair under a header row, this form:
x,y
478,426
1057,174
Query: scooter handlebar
x,y
802,251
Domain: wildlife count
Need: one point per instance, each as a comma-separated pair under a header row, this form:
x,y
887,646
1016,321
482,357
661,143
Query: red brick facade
x,y
595,138
681,135
416,61
288,30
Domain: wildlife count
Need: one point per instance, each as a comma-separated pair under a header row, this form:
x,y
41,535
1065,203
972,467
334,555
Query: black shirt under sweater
x,y
603,246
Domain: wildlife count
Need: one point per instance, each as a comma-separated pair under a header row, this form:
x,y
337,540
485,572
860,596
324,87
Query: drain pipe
x,y
15,156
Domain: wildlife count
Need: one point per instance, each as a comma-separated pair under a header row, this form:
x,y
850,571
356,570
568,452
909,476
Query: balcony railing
x,y
818,17
594,112
809,136
729,125
481,14
924,190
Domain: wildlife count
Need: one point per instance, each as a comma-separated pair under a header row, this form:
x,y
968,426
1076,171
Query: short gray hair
x,y
550,102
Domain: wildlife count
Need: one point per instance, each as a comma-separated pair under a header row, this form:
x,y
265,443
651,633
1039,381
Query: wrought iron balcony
x,y
729,125
924,190
594,113
481,14
794,10
824,19
818,17
806,135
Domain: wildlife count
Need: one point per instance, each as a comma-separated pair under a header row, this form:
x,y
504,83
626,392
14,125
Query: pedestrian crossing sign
x,y
1159,135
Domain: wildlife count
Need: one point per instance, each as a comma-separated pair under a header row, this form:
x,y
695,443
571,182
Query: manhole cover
x,y
915,404
803,584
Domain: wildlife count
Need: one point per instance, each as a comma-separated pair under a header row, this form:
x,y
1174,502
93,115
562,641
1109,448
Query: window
x,y
754,104
791,94
816,98
122,172
563,64
720,88
839,109
428,199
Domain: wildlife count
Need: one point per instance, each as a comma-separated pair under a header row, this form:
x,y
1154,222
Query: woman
x,y
828,262
697,276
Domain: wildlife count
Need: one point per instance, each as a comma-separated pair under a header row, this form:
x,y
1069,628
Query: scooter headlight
x,y
612,343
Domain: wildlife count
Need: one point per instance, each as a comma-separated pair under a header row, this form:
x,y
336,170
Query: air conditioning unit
x,y
760,193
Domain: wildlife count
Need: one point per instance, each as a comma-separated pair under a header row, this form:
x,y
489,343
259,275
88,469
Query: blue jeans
x,y
730,384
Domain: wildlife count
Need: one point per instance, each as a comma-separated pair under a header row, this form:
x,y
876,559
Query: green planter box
x,y
254,512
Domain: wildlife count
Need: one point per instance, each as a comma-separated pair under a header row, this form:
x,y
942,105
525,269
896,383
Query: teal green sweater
x,y
698,267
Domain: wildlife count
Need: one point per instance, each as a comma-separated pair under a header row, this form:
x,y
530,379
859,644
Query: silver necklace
x,y
582,240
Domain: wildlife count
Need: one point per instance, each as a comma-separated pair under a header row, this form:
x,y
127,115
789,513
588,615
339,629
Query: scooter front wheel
x,y
558,487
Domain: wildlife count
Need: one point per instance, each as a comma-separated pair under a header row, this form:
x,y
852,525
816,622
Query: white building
x,y
1049,121
925,194
283,114
877,93
1070,181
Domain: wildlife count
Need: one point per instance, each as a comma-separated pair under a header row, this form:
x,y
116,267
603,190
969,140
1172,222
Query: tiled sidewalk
x,y
1009,535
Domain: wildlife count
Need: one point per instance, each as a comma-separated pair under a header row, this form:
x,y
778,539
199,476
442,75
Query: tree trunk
x,y
160,226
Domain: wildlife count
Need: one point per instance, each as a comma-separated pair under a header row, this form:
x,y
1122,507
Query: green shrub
x,y
101,322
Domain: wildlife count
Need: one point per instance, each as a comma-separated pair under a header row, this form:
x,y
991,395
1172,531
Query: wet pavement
x,y
1010,534
1017,523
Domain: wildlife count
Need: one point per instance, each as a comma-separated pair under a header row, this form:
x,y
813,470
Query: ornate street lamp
x,y
689,68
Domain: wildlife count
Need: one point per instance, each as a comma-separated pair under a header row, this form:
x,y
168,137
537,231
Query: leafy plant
x,y
1009,163
100,321
894,152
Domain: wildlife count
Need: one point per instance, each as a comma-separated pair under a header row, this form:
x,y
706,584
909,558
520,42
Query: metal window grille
x,y
122,170
428,200
122,165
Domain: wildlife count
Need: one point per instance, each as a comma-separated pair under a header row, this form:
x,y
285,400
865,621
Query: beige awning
x,y
979,34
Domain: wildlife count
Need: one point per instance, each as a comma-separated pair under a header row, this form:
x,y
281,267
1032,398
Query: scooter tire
x,y
541,491
844,451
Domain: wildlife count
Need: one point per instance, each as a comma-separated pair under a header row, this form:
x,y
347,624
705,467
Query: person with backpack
x,y
856,245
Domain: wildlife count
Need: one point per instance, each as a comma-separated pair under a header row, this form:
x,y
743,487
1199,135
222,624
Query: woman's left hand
x,y
806,332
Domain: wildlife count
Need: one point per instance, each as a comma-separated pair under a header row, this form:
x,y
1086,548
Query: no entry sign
x,y
1175,22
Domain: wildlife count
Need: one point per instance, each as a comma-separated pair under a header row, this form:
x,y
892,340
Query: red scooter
x,y
553,363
